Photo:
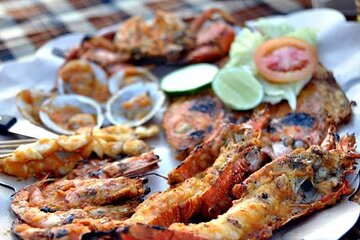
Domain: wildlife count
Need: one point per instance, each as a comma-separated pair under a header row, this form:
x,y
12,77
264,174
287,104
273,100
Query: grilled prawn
x,y
90,204
207,194
289,187
106,168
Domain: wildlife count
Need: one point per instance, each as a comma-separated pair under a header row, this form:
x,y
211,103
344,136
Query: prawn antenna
x,y
151,174
7,186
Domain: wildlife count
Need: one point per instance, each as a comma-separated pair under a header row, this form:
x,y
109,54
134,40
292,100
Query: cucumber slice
x,y
188,79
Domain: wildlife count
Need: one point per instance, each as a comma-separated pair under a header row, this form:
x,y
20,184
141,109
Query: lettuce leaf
x,y
243,48
273,30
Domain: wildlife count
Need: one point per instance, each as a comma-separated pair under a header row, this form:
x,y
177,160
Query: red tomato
x,y
286,59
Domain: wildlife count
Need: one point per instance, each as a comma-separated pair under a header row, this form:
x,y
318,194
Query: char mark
x,y
205,106
61,233
298,119
103,235
47,210
200,134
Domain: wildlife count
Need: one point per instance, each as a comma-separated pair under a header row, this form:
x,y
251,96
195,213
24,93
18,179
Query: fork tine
x,y
13,146
18,141
7,147
6,151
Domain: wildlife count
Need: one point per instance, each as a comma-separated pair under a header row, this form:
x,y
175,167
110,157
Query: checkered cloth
x,y
27,24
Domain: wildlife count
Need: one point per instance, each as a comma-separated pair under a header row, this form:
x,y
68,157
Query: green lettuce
x,y
243,49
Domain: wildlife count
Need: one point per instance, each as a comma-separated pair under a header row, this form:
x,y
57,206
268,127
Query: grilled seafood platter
x,y
239,156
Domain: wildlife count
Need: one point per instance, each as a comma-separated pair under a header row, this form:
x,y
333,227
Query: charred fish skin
x,y
320,104
190,120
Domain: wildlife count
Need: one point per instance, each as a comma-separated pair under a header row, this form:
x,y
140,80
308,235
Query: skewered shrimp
x,y
58,156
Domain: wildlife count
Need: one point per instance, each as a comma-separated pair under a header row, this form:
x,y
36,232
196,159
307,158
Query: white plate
x,y
339,51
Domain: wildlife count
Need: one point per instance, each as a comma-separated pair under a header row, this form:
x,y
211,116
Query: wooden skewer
x,y
5,155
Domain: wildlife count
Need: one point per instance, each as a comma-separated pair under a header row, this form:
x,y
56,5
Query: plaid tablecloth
x,y
27,24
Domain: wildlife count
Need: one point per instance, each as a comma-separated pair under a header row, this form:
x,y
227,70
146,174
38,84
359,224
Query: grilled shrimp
x,y
57,157
319,105
48,204
88,204
207,194
289,187
107,168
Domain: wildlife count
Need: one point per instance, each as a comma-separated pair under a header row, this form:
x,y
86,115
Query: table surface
x,y
25,25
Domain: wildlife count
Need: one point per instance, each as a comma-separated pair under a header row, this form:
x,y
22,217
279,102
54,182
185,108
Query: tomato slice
x,y
286,59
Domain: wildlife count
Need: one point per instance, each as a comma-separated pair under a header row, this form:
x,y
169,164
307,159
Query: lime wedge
x,y
238,88
189,79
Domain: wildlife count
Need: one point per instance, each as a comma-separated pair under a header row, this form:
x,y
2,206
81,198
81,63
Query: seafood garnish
x,y
56,157
207,194
67,113
83,78
289,187
320,104
129,75
135,104
167,38
28,103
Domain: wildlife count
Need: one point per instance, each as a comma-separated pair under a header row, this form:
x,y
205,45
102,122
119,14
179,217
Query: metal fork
x,y
7,147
